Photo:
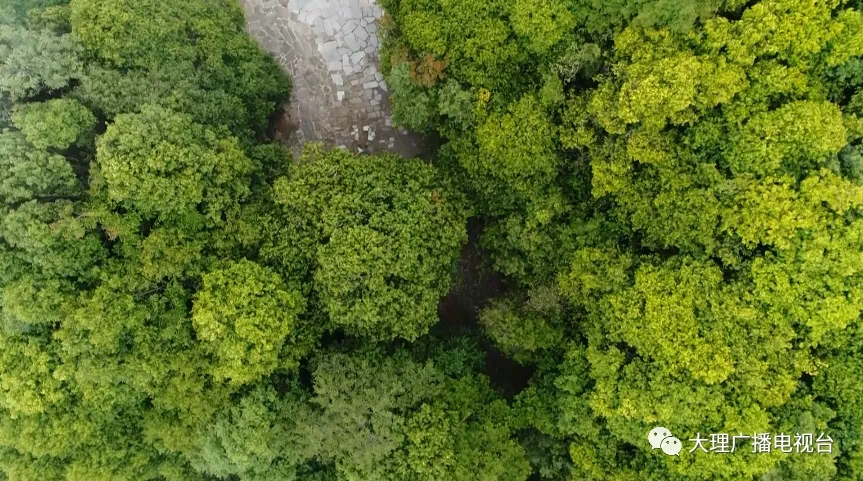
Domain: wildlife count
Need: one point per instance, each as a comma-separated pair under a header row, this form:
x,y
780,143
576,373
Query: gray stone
x,y
357,57
370,85
351,42
328,27
361,33
330,52
337,79
328,10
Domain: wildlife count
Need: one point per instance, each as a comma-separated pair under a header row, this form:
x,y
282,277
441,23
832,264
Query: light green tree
x,y
58,123
243,315
386,232
161,163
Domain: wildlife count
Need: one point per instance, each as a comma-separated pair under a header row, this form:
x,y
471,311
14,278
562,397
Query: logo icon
x,y
661,438
672,446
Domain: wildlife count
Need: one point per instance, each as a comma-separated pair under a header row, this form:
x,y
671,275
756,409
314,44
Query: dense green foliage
x,y
676,191
389,232
165,272
671,192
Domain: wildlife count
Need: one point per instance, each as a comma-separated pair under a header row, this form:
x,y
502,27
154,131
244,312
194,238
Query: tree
x,y
669,192
392,417
162,164
21,7
515,158
29,173
474,37
255,438
718,241
181,88
181,40
34,61
57,123
542,23
604,19
31,300
413,107
101,374
27,386
145,34
521,328
388,232
51,238
243,315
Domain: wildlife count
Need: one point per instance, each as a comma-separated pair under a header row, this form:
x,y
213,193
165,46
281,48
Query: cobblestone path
x,y
330,48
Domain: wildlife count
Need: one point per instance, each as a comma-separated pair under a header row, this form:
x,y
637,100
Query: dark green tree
x,y
383,235
174,42
390,416
33,61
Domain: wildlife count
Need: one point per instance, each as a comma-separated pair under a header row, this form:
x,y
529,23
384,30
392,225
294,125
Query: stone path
x,y
330,48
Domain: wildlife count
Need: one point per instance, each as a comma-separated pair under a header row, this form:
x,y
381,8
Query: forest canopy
x,y
661,202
